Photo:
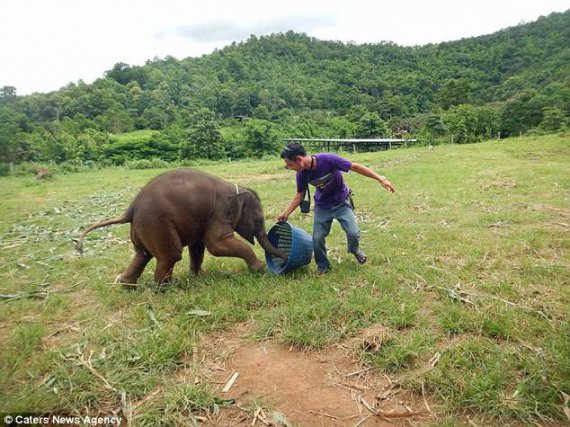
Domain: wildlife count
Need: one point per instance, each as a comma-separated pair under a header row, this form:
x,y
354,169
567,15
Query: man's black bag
x,y
305,205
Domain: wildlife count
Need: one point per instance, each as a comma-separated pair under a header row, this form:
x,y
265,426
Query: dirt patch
x,y
309,388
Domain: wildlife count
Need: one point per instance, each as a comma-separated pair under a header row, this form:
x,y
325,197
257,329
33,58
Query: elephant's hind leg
x,y
136,267
196,256
139,262
167,249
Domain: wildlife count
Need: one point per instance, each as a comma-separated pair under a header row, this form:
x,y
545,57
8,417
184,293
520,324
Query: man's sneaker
x,y
323,271
361,257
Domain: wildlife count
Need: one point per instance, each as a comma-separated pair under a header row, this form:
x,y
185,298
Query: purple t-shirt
x,y
327,179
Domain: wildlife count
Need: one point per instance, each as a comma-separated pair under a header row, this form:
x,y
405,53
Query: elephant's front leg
x,y
229,246
196,251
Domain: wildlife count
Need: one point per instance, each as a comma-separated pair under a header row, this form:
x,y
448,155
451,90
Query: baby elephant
x,y
186,207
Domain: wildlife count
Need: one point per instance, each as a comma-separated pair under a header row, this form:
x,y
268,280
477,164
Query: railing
x,y
352,144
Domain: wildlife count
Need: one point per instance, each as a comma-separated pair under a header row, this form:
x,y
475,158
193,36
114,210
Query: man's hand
x,y
284,216
385,182
369,173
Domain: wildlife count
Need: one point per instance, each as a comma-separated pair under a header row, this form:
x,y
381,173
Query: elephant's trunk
x,y
268,247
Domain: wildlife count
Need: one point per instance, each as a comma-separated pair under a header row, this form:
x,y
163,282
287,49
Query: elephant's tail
x,y
126,217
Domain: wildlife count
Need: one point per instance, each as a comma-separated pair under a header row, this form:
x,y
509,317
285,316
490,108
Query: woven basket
x,y
295,242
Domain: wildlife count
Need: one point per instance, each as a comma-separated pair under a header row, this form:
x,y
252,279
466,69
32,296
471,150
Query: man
x,y
331,197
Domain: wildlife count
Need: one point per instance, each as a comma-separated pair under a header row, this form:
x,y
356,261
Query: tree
x,y
242,106
152,145
91,144
260,137
203,139
434,127
153,118
469,123
305,128
454,92
342,127
371,126
7,95
261,112
521,113
116,120
10,133
160,146
55,144
553,119
123,73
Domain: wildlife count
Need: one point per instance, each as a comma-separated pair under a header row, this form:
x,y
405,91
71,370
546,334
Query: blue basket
x,y
295,242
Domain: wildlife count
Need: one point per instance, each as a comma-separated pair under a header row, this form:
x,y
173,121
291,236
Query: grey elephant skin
x,y
187,207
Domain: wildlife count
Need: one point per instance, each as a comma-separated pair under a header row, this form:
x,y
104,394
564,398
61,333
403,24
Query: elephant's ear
x,y
237,207
233,209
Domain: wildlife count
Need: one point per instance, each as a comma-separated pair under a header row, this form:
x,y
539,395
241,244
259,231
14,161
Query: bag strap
x,y
309,178
350,198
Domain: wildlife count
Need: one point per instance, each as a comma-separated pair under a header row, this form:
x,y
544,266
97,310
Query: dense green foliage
x,y
293,85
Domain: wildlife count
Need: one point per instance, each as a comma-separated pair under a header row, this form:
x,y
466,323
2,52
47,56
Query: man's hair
x,y
292,150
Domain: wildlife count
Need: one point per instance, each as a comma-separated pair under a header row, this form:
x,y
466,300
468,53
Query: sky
x,y
47,44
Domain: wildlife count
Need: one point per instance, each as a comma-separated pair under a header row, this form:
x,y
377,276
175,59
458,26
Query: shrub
x,y
147,164
29,168
5,169
44,172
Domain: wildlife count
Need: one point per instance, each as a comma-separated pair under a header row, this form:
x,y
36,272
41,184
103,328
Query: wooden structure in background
x,y
336,144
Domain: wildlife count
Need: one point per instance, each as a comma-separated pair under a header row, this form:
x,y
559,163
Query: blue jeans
x,y
322,222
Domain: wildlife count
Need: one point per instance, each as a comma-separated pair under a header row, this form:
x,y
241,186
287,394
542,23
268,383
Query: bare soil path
x,y
308,388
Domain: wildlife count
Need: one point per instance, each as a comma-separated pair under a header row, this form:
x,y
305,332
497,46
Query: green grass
x,y
468,260
135,136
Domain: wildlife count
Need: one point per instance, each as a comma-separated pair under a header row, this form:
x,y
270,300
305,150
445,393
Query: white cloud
x,y
47,44
228,30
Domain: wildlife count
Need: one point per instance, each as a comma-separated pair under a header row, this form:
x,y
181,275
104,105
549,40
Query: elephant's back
x,y
181,196
182,184
186,177
183,188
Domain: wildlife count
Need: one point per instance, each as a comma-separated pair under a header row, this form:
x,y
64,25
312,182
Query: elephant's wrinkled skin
x,y
186,207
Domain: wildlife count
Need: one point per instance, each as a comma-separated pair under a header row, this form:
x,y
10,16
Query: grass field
x,y
468,273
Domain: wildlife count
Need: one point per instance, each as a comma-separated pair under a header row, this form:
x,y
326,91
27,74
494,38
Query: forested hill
x,y
386,78
290,84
